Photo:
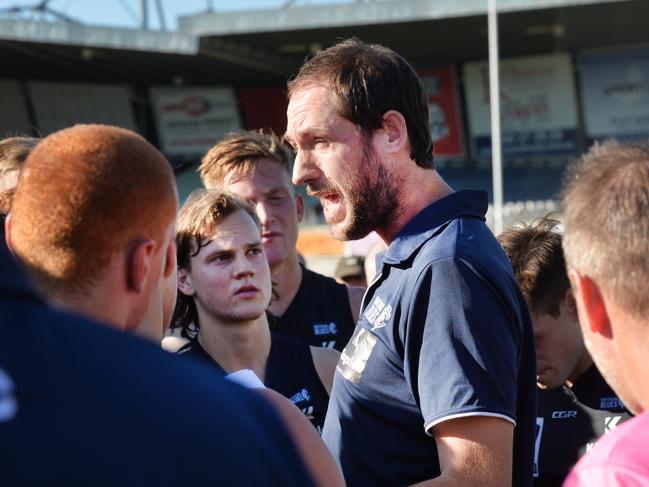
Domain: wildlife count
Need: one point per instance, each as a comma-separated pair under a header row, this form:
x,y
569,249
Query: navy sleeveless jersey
x,y
83,404
444,333
289,371
569,422
320,313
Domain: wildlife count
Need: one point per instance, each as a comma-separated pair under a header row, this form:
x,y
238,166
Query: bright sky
x,y
126,13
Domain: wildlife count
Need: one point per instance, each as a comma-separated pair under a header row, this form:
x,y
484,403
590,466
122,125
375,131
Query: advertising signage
x,y
537,103
615,93
191,120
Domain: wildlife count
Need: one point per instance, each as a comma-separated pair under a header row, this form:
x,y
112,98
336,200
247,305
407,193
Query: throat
x,y
238,347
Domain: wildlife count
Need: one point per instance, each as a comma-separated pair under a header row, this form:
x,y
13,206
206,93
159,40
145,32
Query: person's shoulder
x,y
326,358
626,445
321,279
86,371
461,238
618,458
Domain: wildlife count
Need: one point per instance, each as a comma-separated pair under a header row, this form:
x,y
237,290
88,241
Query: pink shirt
x,y
620,458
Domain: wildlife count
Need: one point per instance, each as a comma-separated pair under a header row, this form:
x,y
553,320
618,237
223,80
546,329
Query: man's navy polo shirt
x,y
444,333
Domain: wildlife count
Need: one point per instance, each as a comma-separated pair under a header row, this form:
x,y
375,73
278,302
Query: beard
x,y
371,199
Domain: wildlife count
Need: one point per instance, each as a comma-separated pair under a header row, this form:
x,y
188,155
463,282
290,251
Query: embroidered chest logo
x,y
610,402
300,396
378,313
320,329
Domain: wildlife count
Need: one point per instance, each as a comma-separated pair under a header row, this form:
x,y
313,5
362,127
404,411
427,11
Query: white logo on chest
x,y
378,313
300,396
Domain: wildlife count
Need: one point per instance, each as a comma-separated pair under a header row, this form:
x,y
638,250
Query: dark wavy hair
x,y
367,80
539,266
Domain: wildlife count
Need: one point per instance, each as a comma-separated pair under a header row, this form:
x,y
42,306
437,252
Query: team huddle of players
x,y
469,360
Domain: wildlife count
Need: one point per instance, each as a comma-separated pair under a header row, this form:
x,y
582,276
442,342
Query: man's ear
x,y
138,265
299,205
185,282
170,260
590,303
571,304
393,136
8,232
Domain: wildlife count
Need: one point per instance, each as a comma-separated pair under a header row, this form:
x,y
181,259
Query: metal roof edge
x,y
340,15
99,37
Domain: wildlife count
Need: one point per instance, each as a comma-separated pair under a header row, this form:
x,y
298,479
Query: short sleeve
x,y
460,345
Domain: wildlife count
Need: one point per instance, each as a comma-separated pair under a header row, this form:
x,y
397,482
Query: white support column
x,y
494,100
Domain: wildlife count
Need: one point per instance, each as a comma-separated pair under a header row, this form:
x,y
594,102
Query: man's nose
x,y
304,169
242,266
264,213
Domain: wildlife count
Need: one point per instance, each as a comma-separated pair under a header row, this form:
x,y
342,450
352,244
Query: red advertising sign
x,y
264,108
443,111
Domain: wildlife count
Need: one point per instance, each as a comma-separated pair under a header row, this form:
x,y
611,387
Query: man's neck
x,y
419,188
288,276
95,306
236,346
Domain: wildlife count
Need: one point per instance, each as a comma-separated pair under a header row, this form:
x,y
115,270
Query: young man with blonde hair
x,y
606,243
257,167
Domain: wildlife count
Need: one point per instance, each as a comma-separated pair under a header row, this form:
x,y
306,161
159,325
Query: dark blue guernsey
x,y
444,333
320,313
83,404
289,371
569,422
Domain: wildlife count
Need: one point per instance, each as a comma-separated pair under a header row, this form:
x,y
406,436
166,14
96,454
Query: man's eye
x,y
256,251
221,258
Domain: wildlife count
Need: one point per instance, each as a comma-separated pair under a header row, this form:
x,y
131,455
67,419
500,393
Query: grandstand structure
x,y
572,72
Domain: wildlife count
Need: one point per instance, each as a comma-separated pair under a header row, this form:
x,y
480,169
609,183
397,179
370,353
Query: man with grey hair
x,y
606,244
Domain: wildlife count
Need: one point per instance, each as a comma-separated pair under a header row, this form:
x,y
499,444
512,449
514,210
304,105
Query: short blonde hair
x,y
606,219
241,152
13,152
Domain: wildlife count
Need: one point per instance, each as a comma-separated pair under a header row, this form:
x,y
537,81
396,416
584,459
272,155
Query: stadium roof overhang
x,y
261,48
74,52
431,32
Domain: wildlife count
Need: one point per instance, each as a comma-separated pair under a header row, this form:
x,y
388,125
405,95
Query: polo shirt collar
x,y
465,203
